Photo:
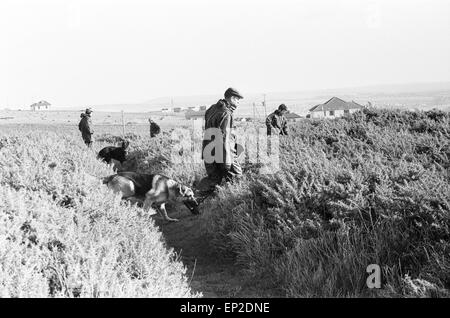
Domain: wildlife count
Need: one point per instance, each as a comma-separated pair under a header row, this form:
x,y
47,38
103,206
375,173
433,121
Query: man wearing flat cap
x,y
277,121
219,145
85,126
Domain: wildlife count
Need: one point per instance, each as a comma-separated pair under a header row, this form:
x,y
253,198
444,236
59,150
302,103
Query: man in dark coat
x,y
277,121
219,145
85,126
154,128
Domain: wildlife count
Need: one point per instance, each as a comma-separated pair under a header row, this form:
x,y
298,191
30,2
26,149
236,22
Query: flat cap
x,y
88,111
282,107
232,92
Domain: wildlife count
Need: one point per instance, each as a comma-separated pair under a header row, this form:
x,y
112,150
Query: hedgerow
x,y
64,234
366,189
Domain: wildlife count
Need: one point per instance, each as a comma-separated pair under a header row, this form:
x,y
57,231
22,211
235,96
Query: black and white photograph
x,y
248,151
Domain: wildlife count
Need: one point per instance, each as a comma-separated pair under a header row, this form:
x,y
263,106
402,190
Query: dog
x,y
114,154
151,188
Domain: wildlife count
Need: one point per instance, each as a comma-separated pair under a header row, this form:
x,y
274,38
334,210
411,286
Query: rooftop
x,y
336,103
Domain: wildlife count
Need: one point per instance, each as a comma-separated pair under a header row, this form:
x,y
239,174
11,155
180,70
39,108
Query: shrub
x,y
365,189
63,234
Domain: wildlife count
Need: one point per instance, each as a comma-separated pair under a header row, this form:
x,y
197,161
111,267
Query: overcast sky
x,y
76,52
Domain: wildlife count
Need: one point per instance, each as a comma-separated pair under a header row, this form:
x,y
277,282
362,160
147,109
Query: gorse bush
x,y
63,234
370,188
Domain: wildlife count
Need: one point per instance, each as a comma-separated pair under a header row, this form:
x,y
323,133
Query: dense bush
x,y
371,188
63,234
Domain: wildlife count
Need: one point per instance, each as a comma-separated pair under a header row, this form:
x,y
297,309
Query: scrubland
x,y
371,188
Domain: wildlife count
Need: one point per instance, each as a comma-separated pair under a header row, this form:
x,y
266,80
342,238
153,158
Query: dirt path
x,y
212,276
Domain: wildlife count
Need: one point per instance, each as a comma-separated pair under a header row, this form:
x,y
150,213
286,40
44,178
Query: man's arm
x,y
284,127
272,120
269,120
276,122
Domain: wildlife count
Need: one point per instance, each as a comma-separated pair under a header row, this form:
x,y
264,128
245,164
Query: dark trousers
x,y
216,174
87,138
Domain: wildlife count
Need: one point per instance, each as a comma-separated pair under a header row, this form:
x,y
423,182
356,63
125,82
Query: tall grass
x,y
63,234
372,188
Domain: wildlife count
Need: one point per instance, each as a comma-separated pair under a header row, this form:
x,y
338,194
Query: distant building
x,y
333,108
195,115
42,105
202,108
177,109
293,117
165,110
193,108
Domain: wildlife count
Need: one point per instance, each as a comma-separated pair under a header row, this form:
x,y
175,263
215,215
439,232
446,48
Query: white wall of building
x,y
327,114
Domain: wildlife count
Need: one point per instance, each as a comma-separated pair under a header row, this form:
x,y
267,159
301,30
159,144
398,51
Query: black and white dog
x,y
113,154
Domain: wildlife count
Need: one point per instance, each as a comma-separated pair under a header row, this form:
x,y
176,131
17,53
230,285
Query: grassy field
x,y
99,118
368,189
63,234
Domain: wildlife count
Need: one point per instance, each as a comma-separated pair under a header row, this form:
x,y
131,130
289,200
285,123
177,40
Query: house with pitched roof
x,y
333,108
293,117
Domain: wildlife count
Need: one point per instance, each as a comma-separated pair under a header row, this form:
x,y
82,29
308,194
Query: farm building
x,y
334,107
293,117
195,115
42,105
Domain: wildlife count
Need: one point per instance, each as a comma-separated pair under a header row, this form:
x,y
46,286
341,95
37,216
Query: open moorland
x,y
371,188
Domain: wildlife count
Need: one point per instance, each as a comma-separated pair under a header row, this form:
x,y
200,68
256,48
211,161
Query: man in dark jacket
x,y
276,121
154,128
85,126
219,145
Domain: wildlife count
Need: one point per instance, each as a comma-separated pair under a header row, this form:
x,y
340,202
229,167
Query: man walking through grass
x,y
85,126
154,128
219,145
276,122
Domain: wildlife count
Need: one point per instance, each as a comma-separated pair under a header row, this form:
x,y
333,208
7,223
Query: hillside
x,y
420,96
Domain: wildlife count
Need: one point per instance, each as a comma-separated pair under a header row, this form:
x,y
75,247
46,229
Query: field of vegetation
x,y
63,234
372,188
